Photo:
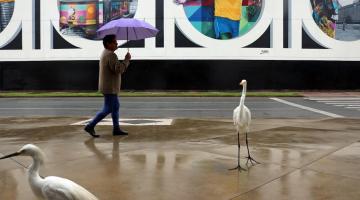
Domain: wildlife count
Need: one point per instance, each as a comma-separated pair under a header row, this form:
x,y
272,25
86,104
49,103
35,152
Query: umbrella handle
x,y
127,37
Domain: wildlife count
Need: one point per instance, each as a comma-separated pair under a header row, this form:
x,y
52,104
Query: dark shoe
x,y
91,131
119,132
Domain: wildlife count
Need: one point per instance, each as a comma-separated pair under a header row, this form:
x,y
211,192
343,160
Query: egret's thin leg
x,y
238,166
238,137
249,157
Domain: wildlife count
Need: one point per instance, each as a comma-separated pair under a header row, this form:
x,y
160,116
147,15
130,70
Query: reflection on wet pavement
x,y
300,159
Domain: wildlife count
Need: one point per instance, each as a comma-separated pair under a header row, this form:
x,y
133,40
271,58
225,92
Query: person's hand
x,y
128,56
180,1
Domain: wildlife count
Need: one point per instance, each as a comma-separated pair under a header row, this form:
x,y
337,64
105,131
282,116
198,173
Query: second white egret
x,y
51,187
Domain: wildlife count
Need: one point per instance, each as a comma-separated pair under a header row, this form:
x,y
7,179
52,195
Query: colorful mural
x,y
195,19
6,11
84,17
222,19
80,17
338,19
325,14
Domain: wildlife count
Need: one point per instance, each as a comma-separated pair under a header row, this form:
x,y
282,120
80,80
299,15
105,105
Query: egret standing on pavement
x,y
51,187
242,120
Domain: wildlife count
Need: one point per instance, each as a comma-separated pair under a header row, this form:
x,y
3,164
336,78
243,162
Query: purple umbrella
x,y
128,29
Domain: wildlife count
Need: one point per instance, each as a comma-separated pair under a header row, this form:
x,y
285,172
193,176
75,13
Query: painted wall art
x,y
83,18
338,19
6,11
222,19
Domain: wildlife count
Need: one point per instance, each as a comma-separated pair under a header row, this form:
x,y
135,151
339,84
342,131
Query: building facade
x,y
52,45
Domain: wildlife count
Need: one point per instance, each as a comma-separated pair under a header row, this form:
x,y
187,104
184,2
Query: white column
x,y
169,25
46,28
149,16
28,24
277,25
295,24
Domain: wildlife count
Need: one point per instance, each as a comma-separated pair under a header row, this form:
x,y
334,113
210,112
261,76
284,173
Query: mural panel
x,y
224,29
222,19
82,18
6,11
338,19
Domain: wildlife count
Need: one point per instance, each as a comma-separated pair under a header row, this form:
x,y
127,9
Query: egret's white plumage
x,y
241,114
242,121
51,187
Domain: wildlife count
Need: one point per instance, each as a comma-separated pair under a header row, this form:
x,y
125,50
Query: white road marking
x,y
344,105
332,98
48,108
308,108
355,107
145,109
131,122
345,102
340,102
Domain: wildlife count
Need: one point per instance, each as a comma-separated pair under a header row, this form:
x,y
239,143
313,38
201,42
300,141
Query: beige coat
x,y
110,70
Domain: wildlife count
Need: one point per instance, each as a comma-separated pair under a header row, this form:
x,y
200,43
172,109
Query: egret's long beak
x,y
10,155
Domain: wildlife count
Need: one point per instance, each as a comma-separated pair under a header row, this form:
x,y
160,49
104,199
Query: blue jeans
x,y
111,105
224,25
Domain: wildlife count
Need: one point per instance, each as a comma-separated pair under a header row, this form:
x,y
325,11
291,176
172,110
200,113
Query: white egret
x,y
51,187
242,120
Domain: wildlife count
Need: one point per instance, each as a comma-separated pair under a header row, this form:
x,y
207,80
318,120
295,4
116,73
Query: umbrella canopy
x,y
128,29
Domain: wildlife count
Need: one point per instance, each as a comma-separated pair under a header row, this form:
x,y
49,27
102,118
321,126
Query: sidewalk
x,y
300,159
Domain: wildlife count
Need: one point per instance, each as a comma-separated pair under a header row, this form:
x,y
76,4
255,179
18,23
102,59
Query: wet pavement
x,y
300,159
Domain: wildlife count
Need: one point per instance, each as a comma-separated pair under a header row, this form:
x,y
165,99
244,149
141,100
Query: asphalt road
x,y
189,107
